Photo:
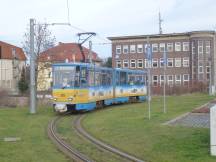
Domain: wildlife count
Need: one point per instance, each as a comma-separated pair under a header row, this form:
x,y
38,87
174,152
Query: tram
x,y
84,87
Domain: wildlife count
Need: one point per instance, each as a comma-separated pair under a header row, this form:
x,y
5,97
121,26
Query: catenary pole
x,y
32,70
164,86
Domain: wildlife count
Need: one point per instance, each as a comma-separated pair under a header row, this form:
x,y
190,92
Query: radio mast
x,y
160,24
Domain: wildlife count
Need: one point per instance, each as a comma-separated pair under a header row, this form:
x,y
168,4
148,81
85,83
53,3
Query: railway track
x,y
67,149
100,144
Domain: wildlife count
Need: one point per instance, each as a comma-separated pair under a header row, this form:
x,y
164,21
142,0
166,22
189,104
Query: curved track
x,y
62,145
100,144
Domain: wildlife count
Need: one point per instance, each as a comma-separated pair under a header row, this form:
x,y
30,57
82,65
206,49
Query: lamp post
x,y
149,57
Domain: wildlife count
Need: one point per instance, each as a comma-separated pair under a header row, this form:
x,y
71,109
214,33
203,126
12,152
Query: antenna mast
x,y
160,24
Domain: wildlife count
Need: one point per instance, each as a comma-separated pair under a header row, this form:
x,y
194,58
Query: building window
x,y
147,63
200,67
118,64
118,49
161,79
161,62
125,49
140,63
155,80
139,48
186,77
132,49
207,69
177,46
170,47
178,79
200,47
193,48
125,64
155,47
170,79
207,43
169,62
185,62
177,62
133,63
185,46
154,63
162,47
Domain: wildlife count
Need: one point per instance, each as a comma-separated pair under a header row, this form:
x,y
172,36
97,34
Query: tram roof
x,y
99,67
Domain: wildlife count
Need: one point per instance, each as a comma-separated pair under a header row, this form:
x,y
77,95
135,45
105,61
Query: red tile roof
x,y
68,51
7,51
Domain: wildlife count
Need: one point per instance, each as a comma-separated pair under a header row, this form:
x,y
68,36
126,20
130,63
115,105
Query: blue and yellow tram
x,y
84,87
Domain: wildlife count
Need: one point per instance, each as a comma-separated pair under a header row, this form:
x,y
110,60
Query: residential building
x,y
12,61
63,52
191,57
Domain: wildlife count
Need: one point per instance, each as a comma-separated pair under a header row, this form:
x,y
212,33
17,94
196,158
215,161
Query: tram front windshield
x,y
66,77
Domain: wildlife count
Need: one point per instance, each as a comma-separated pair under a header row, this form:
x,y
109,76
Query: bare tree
x,y
43,41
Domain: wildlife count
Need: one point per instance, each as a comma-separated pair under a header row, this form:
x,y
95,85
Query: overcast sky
x,y
106,18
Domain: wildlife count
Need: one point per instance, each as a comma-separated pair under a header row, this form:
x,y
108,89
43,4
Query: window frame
x,y
186,62
168,62
154,60
131,49
177,46
155,47
178,60
124,61
118,47
139,46
124,48
186,46
162,46
117,63
132,63
170,45
178,82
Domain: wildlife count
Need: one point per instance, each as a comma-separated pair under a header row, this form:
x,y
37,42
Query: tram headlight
x,y
70,98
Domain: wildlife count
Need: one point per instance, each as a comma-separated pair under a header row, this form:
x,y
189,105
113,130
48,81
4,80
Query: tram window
x,y
91,78
123,78
106,78
77,77
131,79
63,77
139,80
97,79
83,77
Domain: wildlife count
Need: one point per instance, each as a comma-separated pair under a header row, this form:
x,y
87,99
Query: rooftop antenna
x,y
160,23
68,12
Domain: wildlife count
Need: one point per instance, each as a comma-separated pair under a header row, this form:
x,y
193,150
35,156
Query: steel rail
x,y
62,145
80,130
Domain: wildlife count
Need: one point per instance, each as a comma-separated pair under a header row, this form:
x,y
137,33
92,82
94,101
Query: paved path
x,y
193,120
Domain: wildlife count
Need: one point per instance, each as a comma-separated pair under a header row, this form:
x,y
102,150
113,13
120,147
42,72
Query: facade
x,y
191,57
12,61
63,52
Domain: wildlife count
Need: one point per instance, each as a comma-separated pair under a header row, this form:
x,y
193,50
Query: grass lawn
x,y
34,145
128,128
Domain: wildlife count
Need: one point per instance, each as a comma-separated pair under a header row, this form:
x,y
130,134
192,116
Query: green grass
x,y
34,145
128,128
